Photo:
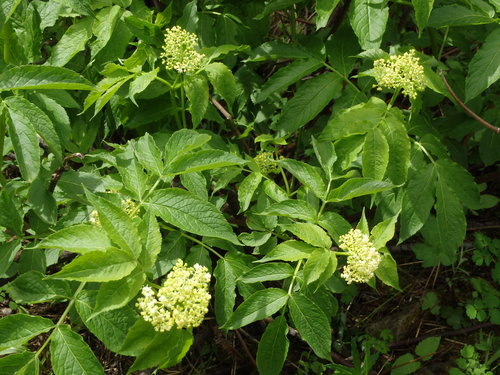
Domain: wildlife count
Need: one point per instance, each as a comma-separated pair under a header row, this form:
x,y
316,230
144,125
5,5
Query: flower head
x,y
363,258
179,51
403,71
266,163
182,301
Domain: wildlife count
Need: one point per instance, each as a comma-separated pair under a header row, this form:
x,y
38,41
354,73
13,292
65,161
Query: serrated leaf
x,y
131,172
9,214
387,270
259,305
396,135
309,233
456,15
307,174
423,10
286,76
31,287
484,68
148,154
203,160
36,77
292,208
24,140
334,224
326,155
417,202
383,232
357,187
73,41
405,365
273,347
140,83
320,266
8,251
118,225
375,156
341,49
267,272
290,251
70,355
222,79
278,50
309,100
80,238
460,181
151,238
426,348
18,329
98,267
146,31
197,93
247,189
312,324
196,183
110,327
368,20
41,201
13,363
190,213
182,142
324,9
103,27
225,294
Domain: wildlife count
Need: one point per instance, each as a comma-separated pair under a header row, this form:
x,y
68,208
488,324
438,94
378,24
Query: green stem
x,y
393,99
294,276
146,196
62,318
209,248
445,37
325,201
424,150
3,130
183,106
344,78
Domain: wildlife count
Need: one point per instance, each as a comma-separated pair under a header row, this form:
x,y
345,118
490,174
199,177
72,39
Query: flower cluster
x,y
182,301
403,71
179,51
362,259
266,163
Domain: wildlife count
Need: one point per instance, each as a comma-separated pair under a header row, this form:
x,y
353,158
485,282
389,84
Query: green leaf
x,y
267,272
274,191
326,155
247,189
146,31
149,231
357,187
8,251
7,8
29,77
383,232
18,329
140,83
110,327
273,347
24,139
10,217
396,134
32,287
119,226
222,79
290,251
484,68
148,154
292,208
286,76
80,238
457,15
428,347
225,294
73,41
196,183
70,355
309,100
165,350
324,9
182,142
417,203
375,155
307,174
98,267
83,7
131,172
387,270
74,183
203,160
277,50
450,217
103,27
41,201
259,305
368,20
309,233
190,213
312,324
341,49
320,266
276,5
115,294
12,363
423,10
460,181
334,224
197,93
405,365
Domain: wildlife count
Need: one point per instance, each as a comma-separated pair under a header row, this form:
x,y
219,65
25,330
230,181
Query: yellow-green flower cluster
x,y
400,72
179,51
266,163
182,301
363,258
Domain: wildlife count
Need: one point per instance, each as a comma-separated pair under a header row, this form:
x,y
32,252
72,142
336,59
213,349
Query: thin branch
x,y
467,109
221,109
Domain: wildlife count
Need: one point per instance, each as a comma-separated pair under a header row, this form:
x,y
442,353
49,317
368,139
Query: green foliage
x,y
252,146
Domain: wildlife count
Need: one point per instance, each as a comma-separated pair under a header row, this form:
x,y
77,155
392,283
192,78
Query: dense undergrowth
x,y
232,186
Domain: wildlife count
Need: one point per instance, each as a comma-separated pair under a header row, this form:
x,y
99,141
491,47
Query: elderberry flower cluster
x,y
266,163
400,72
182,300
179,51
363,258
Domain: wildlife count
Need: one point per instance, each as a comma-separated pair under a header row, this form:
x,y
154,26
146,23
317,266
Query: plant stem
x,y
183,106
344,78
393,99
445,37
3,129
325,201
294,277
